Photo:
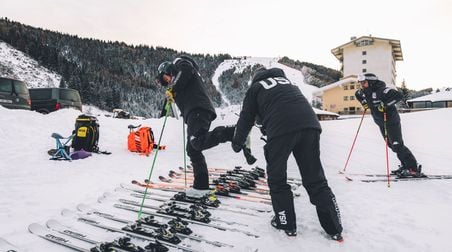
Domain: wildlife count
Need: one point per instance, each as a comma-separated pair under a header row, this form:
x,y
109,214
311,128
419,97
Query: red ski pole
x,y
353,144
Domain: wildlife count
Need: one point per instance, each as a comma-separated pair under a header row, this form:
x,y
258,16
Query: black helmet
x,y
165,67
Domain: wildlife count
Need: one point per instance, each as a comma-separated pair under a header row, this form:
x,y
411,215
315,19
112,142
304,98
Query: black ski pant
x,y
395,142
304,145
199,138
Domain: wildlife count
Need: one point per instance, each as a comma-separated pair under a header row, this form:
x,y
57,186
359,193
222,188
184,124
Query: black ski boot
x,y
337,237
414,172
398,171
289,232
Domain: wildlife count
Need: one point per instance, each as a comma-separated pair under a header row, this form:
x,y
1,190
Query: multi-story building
x,y
365,54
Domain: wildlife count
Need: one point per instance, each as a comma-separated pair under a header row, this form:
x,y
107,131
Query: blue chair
x,y
62,149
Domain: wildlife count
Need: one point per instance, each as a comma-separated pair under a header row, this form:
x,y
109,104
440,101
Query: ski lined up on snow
x,y
170,198
121,244
180,228
166,215
221,189
175,188
135,231
397,179
193,212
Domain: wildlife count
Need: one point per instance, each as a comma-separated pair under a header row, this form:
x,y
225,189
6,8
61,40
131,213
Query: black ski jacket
x,y
378,94
189,89
280,107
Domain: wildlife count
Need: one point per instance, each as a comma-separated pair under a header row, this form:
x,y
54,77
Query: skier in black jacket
x,y
379,98
188,91
291,127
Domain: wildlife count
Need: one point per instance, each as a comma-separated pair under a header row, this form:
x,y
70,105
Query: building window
x,y
352,98
364,61
364,70
352,87
364,52
346,109
345,98
345,87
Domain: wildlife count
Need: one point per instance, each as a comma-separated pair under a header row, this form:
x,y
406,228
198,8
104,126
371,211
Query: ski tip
x,y
134,182
84,207
67,212
36,228
102,199
52,223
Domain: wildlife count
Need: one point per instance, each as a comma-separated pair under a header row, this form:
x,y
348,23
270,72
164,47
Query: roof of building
x,y
345,80
396,47
323,112
445,95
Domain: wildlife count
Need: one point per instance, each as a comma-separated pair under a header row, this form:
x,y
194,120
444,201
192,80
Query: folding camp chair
x,y
62,149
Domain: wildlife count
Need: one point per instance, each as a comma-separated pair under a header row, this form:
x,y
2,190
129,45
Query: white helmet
x,y
367,76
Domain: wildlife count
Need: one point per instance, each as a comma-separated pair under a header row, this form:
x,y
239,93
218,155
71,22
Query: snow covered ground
x,y
408,216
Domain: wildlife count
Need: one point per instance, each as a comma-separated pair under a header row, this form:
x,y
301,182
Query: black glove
x,y
365,105
236,147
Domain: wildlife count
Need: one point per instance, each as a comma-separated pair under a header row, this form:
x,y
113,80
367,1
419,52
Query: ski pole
x,y
167,108
353,144
386,139
185,157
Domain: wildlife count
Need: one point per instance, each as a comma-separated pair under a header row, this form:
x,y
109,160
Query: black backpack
x,y
86,134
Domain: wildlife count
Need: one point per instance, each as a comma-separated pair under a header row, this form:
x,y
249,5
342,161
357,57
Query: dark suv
x,y
14,94
46,100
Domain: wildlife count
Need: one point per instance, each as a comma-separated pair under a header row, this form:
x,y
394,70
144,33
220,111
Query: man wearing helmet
x,y
381,99
186,88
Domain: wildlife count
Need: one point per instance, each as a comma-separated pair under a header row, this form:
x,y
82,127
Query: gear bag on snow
x,y
141,140
86,134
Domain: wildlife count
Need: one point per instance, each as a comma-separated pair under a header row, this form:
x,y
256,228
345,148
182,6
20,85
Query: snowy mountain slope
x,y
409,216
17,65
294,75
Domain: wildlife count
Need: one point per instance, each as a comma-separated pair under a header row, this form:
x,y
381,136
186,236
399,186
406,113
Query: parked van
x,y
14,94
46,100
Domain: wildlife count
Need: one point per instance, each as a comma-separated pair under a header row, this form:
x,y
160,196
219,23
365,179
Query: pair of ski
x,y
136,230
246,183
255,170
70,238
229,186
181,188
134,207
177,226
193,212
393,178
183,200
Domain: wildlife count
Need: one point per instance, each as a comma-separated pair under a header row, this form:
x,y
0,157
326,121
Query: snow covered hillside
x,y
408,216
294,75
17,65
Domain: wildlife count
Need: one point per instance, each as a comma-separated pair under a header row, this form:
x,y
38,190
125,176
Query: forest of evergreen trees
x,y
315,75
107,74
116,75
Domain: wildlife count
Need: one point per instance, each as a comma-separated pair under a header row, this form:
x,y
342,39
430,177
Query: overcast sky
x,y
302,30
